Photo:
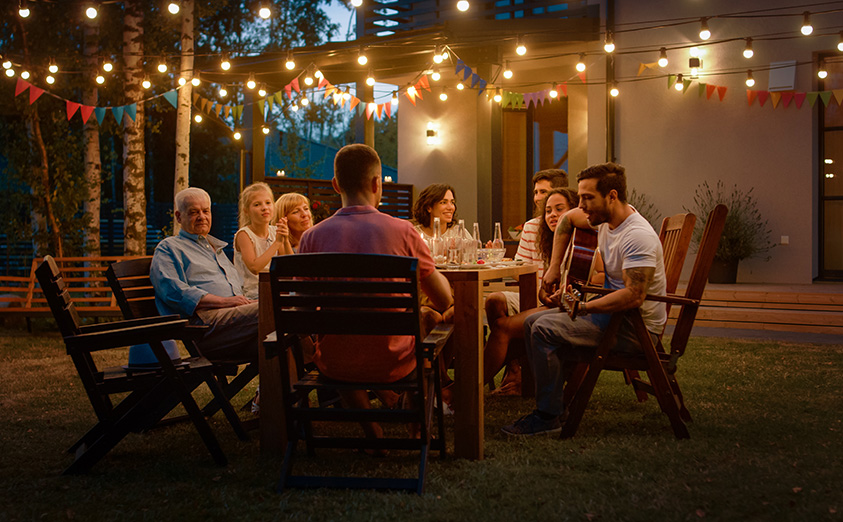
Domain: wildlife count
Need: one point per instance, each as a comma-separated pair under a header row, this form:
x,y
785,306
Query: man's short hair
x,y
189,193
354,166
556,177
609,176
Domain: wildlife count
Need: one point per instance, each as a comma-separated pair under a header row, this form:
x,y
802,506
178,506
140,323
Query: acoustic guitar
x,y
577,267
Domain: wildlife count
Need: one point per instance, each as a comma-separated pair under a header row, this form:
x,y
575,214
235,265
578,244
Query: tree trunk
x,y
91,138
134,169
184,103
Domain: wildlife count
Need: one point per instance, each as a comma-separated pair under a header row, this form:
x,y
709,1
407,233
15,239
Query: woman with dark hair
x,y
437,200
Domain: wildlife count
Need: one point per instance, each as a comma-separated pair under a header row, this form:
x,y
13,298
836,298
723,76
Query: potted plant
x,y
745,235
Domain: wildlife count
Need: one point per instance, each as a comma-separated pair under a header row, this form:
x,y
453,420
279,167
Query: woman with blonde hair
x,y
294,209
258,240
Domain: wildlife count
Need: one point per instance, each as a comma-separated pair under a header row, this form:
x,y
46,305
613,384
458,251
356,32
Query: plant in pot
x,y
745,235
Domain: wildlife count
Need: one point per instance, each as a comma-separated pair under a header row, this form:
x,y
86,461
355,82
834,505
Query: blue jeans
x,y
551,337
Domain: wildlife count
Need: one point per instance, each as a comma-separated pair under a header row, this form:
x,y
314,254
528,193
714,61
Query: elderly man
x,y
193,278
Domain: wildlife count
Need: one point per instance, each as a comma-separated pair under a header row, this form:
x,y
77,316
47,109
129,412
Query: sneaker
x,y
533,424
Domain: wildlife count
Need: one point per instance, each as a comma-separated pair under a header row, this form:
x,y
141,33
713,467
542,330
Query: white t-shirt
x,y
261,244
633,244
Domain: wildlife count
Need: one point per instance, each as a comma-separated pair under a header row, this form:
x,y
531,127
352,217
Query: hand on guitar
x,y
573,302
550,281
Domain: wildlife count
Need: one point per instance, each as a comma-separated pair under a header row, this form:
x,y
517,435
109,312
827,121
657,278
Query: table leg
x,y
273,433
468,371
528,290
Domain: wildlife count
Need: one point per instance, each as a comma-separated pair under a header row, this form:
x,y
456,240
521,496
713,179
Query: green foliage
x,y
644,205
746,233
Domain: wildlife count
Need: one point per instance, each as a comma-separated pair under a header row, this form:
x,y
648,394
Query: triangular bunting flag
x,y
379,110
787,97
419,94
295,84
581,76
423,82
474,79
336,96
721,91
825,96
100,113
387,109
118,114
322,82
21,86
196,98
799,98
702,89
410,97
709,90
564,89
481,85
466,73
354,101
289,90
72,107
685,85
132,111
217,109
641,68
505,99
238,112
774,98
370,108
172,97
812,98
329,90
269,102
460,66
519,100
762,97
86,111
261,104
227,110
750,96
36,92
279,97
671,79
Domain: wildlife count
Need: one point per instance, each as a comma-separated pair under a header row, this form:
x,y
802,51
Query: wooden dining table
x,y
468,363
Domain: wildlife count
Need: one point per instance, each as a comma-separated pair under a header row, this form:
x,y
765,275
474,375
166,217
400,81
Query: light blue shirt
x,y
186,267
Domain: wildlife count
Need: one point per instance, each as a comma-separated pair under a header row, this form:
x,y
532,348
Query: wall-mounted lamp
x,y
432,134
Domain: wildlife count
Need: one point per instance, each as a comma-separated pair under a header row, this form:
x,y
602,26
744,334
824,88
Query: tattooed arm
x,y
636,282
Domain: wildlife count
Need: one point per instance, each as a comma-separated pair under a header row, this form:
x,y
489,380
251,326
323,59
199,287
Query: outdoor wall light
x,y
290,64
463,5
173,7
581,63
694,52
807,28
750,81
747,50
146,84
705,33
432,134
23,9
609,45
663,57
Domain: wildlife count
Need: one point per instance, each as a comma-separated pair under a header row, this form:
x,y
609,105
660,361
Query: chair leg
x,y
227,409
683,411
286,465
631,377
232,388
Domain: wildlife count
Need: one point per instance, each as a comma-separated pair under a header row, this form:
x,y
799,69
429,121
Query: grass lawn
x,y
766,444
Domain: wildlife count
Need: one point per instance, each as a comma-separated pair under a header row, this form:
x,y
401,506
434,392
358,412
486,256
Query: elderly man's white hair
x,y
189,194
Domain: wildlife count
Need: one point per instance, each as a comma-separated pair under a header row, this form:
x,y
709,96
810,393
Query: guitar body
x,y
577,267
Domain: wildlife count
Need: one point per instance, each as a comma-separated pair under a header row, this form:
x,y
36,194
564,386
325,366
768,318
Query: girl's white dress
x,y
261,244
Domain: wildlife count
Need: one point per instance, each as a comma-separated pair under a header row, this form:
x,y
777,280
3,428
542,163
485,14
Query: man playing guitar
x,y
634,267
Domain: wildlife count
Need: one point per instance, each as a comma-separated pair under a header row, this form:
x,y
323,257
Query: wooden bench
x,y
85,278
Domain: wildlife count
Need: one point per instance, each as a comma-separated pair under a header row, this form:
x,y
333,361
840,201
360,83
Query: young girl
x,y
295,210
258,240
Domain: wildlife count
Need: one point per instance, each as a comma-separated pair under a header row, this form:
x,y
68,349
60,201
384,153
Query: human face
x,y
444,209
196,218
594,204
540,190
554,208
260,207
299,219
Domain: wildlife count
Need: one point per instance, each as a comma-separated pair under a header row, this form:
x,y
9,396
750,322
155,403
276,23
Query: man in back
x,y
358,227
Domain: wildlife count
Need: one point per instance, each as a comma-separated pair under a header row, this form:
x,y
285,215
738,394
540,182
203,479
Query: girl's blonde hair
x,y
287,202
246,197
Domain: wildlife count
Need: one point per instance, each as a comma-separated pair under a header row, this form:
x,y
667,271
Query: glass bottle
x,y
498,248
469,252
439,248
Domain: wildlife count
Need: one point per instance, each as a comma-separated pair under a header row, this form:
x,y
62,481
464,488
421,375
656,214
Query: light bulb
x,y
362,59
7,64
750,81
498,97
23,10
162,67
663,57
553,92
195,81
435,76
443,95
100,79
614,91
460,86
840,43
394,98
24,75
807,28
262,90
264,12
463,5
747,51
609,45
290,64
295,107
107,66
197,118
11,72
182,80
91,12
308,80
225,64
146,84
705,33
304,101
346,95
50,79
356,3
53,68
822,73
317,74
520,48
411,90
223,92
265,130
680,83
173,7
581,63
437,55
370,80
237,135
251,83
507,72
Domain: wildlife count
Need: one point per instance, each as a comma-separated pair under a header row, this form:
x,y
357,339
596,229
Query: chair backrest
x,y
129,280
348,294
699,276
675,236
58,297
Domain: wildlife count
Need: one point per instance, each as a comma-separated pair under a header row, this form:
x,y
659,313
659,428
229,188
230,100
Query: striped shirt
x,y
527,250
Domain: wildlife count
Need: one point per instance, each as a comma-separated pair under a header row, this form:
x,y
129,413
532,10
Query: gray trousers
x,y
232,336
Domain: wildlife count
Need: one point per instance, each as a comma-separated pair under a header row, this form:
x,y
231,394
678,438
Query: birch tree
x,y
134,167
91,140
181,178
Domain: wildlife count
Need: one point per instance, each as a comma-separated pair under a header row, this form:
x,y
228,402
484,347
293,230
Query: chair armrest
x,y
669,298
436,340
128,323
104,340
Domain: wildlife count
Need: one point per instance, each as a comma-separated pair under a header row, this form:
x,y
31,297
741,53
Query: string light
x,y
295,107
308,79
609,45
237,135
750,81
507,72
49,79
705,33
162,66
581,63
435,76
223,92
614,91
262,90
445,54
173,7
317,74
463,5
24,75
7,64
100,79
304,101
347,94
290,64
680,83
107,66
265,130
182,81
663,57
23,9
437,55
394,98
807,28
553,92
520,48
195,81
411,90
444,94
822,73
251,83
53,68
460,86
225,64
11,72
695,64
362,59
370,79
197,118
146,84
747,50
840,43
356,3
498,96
91,11
264,12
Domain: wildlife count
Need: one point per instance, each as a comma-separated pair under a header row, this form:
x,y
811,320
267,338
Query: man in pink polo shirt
x,y
358,227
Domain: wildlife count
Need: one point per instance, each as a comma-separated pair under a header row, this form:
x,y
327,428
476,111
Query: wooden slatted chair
x,y
133,291
149,390
659,365
365,294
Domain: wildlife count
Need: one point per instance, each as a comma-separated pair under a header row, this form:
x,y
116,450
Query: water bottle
x,y
498,248
440,247
469,250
